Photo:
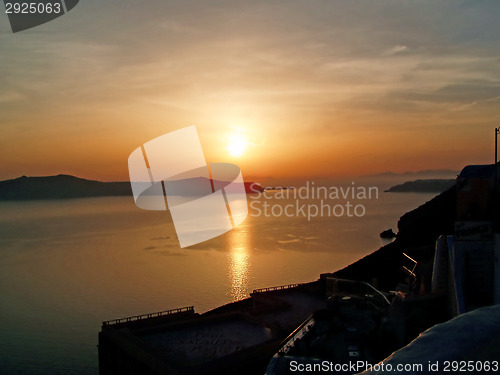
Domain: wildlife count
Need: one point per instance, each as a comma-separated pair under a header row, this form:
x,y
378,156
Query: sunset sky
x,y
281,88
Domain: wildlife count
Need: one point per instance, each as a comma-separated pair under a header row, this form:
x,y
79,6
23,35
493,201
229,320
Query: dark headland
x,y
418,231
423,186
65,186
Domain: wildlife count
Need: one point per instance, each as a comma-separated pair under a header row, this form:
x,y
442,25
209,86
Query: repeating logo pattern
x,y
205,201
26,14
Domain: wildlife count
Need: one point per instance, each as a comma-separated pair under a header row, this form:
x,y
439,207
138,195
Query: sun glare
x,y
237,146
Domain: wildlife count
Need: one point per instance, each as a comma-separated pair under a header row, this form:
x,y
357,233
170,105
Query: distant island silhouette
x,y
423,174
65,186
423,186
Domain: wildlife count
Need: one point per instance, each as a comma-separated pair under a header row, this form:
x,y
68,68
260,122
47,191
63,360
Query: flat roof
x,y
203,342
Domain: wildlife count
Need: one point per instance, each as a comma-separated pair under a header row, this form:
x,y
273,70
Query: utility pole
x,y
497,130
495,184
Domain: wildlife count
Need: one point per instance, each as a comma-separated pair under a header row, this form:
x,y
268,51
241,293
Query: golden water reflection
x,y
239,263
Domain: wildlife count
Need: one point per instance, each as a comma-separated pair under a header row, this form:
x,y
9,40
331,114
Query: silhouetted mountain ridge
x,y
423,186
65,186
61,186
427,173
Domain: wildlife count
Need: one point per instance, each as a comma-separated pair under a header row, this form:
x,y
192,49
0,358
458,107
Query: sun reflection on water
x,y
239,263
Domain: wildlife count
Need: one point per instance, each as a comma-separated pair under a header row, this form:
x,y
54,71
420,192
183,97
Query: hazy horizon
x,y
426,173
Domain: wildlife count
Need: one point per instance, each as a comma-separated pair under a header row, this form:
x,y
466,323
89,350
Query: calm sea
x,y
67,265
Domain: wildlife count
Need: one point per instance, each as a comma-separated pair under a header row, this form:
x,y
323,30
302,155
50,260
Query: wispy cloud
x,y
9,97
294,72
396,50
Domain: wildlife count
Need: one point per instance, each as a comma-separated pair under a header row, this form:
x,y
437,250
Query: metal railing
x,y
412,264
274,288
148,316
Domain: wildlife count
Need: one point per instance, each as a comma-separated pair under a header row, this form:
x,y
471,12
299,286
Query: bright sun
x,y
236,146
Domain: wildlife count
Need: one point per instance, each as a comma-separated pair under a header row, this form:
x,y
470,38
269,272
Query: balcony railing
x,y
274,288
189,309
